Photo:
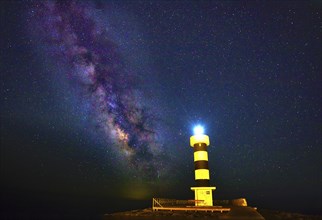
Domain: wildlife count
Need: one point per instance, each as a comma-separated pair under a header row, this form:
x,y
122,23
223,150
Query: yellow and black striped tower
x,y
203,191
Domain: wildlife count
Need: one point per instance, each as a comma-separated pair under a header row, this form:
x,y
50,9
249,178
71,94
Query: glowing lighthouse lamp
x,y
203,192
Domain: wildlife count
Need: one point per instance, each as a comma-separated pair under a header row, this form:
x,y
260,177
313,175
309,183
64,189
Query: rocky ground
x,y
267,214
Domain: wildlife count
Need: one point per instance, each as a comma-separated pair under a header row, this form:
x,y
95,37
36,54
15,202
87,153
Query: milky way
x,y
72,33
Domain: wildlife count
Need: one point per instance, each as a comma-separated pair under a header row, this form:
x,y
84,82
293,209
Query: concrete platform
x,y
194,209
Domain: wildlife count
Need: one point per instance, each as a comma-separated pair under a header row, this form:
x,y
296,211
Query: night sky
x,y
99,100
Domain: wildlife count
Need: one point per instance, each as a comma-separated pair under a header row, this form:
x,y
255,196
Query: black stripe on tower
x,y
201,164
202,183
199,147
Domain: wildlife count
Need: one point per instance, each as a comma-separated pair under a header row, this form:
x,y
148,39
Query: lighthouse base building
x,y
203,195
203,191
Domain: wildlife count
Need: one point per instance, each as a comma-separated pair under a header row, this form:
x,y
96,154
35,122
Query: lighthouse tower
x,y
203,192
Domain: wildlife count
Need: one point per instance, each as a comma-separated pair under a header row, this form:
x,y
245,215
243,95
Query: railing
x,y
160,202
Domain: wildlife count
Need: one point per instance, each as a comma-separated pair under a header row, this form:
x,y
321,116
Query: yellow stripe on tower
x,y
197,139
202,174
200,155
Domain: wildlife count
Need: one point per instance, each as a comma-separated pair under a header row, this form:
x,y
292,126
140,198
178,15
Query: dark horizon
x,y
99,99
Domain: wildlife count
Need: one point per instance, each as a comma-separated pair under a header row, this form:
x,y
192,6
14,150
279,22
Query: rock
x,y
239,202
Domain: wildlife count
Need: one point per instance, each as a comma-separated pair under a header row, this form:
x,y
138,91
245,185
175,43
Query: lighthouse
x,y
203,191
